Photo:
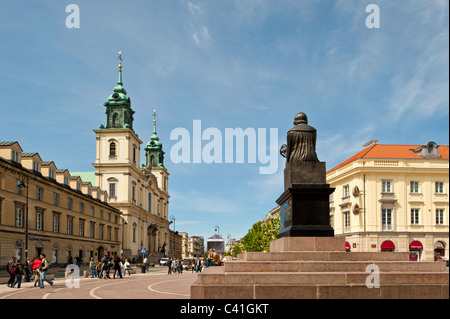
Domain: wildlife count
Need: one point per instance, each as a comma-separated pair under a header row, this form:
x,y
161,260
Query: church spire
x,y
153,151
118,107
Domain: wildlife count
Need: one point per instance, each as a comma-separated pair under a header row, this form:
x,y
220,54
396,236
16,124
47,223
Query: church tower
x,y
139,193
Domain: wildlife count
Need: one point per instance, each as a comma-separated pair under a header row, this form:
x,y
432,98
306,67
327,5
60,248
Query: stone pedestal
x,y
321,268
305,211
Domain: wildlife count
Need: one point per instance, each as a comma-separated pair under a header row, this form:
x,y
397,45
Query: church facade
x,y
140,192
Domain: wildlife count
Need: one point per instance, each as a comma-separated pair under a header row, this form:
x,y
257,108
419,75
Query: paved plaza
x,y
155,284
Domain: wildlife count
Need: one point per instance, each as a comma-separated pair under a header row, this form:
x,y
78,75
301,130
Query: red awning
x,y
387,245
347,245
415,245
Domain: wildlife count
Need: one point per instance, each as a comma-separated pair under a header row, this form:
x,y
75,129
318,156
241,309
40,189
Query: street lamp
x,y
21,184
172,220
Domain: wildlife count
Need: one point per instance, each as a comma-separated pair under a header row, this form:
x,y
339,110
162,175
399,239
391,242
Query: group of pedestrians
x,y
101,269
36,270
197,264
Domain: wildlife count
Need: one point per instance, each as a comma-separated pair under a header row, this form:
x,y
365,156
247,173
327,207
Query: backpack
x,y
15,270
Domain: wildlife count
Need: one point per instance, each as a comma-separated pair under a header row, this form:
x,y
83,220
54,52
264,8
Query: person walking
x,y
180,266
126,267
169,264
35,264
117,266
104,264
44,268
19,272
93,267
9,269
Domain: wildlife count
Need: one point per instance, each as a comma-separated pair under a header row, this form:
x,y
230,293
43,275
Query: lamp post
x,y
172,220
21,184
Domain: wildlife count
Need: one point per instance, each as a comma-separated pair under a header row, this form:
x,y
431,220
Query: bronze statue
x,y
301,141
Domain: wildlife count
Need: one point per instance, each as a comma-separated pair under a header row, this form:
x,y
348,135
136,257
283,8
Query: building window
x,y
386,219
81,208
15,156
101,214
112,149
55,199
56,223
89,192
414,187
69,226
38,193
109,217
51,173
386,187
69,203
149,207
39,221
116,234
92,211
82,227
134,232
439,216
346,222
112,190
36,166
100,231
66,180
78,186
19,217
439,188
92,230
108,234
414,216
346,191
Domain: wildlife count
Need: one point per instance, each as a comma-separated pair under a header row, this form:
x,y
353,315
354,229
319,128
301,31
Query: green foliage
x,y
260,235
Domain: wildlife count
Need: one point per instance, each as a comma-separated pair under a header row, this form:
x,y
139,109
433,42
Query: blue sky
x,y
229,63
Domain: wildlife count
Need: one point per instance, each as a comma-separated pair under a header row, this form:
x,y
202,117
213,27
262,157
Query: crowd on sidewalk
x,y
101,268
197,264
35,270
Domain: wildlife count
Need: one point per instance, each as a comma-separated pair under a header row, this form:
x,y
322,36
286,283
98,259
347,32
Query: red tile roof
x,y
383,151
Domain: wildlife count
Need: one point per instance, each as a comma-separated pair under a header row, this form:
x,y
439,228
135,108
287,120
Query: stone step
x,y
318,278
331,266
329,291
323,256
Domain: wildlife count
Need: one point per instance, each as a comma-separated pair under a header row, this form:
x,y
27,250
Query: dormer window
x,y
430,150
35,166
66,180
14,156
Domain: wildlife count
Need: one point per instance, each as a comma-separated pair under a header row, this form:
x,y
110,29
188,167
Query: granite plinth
x,y
321,268
305,211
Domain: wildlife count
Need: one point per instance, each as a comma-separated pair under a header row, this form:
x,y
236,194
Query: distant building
x,y
393,198
192,246
216,242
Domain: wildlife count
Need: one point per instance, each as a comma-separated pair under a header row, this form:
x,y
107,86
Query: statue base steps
x,y
320,268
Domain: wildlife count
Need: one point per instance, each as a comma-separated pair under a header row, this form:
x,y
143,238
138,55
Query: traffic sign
x,y
143,250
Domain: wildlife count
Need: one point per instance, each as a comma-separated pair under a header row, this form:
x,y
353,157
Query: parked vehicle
x,y
164,261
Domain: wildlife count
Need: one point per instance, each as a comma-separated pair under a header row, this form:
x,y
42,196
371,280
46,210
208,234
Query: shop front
x,y
439,251
387,246
415,250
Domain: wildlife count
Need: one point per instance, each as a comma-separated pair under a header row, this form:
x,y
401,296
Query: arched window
x,y
112,149
115,120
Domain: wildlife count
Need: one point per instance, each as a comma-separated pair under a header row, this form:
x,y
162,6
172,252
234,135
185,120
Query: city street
x,y
155,284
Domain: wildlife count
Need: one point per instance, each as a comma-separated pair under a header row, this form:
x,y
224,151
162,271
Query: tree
x,y
261,234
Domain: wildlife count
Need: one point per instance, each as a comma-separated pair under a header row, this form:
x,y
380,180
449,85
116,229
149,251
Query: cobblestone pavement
x,y
155,284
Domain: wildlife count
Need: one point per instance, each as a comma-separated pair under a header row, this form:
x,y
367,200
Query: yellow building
x,y
66,216
393,198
